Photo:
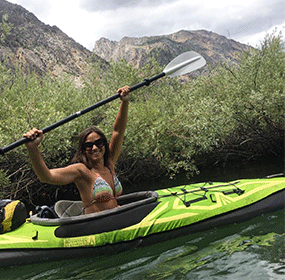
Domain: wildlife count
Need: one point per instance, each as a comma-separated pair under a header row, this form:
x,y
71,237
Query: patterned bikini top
x,y
102,191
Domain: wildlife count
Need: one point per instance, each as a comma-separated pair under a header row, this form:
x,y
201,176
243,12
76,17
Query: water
x,y
215,174
254,249
250,250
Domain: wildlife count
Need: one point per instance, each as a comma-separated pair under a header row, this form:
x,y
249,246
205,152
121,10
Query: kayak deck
x,y
147,217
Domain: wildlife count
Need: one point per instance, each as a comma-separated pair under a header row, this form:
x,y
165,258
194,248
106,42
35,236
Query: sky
x,y
86,21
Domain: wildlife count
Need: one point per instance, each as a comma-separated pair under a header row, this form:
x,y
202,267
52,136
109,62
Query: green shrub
x,y
235,112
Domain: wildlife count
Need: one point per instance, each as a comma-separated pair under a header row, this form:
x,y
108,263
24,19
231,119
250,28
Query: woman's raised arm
x,y
120,125
57,176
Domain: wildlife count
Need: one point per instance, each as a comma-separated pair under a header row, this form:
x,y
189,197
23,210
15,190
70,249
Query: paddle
x,y
182,64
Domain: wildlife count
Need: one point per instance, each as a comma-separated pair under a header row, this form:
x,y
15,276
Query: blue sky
x,y
86,21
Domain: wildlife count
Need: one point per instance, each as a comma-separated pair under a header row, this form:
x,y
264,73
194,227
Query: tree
x,y
5,28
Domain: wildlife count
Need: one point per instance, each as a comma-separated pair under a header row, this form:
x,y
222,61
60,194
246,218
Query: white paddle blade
x,y
184,64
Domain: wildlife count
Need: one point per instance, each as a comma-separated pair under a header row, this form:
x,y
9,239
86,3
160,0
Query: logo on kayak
x,y
79,241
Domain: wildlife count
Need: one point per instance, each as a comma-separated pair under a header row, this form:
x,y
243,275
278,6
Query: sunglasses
x,y
88,146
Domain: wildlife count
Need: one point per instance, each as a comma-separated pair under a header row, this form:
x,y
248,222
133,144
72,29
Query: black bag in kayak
x,y
12,214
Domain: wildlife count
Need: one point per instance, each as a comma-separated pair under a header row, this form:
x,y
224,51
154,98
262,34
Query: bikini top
x,y
102,191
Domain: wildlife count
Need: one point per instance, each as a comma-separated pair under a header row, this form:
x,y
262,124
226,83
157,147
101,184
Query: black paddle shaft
x,y
18,143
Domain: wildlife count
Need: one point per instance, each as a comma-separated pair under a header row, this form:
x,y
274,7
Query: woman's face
x,y
94,147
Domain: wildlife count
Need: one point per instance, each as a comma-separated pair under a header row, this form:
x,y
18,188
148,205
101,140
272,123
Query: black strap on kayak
x,y
205,189
237,191
189,202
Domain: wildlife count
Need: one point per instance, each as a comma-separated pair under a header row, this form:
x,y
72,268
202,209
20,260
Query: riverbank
x,y
252,170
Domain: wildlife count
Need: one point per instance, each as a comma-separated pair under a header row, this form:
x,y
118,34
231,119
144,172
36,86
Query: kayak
x,y
143,218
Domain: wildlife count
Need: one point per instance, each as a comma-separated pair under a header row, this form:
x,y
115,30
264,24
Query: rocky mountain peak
x,y
43,48
213,47
39,47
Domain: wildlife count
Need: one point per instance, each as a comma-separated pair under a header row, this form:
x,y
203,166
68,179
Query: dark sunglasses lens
x,y
99,143
89,145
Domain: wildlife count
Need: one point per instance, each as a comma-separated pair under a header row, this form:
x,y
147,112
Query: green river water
x,y
254,249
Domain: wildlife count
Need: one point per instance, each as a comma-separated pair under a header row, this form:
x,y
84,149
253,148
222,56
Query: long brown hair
x,y
80,156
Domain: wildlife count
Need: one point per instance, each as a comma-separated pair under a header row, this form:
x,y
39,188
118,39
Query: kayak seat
x,y
70,212
68,208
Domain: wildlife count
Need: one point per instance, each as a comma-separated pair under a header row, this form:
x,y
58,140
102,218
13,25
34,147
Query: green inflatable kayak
x,y
143,218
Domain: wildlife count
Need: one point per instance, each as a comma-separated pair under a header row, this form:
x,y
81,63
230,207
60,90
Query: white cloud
x,y
97,5
255,40
88,20
40,8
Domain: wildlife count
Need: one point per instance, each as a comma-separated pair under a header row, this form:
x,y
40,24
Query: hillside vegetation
x,y
233,113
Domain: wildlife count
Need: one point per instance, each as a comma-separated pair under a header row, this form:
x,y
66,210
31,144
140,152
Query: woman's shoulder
x,y
81,168
83,173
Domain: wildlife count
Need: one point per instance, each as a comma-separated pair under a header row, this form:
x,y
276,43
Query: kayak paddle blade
x,y
184,64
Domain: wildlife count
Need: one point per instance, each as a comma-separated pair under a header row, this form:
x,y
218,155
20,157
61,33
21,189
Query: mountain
x,y
213,47
43,48
39,47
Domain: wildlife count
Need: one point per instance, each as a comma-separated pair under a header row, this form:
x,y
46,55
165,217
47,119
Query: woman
x,y
93,166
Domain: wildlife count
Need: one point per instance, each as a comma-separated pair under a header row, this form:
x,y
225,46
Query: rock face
x,y
39,47
213,47
43,48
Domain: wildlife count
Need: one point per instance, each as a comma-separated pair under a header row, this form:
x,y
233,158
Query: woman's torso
x,y
99,189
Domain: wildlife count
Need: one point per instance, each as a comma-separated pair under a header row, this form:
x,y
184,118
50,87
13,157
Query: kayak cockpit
x,y
70,212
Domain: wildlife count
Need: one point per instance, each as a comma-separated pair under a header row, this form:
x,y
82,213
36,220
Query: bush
x,y
235,112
